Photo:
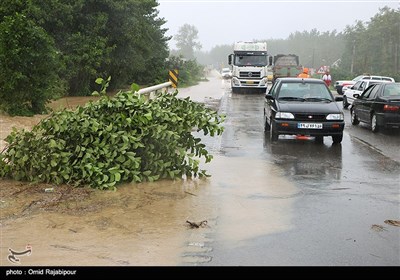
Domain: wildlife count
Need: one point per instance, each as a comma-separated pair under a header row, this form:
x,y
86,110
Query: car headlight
x,y
284,115
335,117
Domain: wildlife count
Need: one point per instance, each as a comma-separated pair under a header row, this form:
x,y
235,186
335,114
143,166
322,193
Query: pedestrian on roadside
x,y
304,74
327,78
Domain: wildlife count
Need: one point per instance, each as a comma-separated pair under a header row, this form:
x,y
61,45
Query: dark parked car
x,y
297,106
378,106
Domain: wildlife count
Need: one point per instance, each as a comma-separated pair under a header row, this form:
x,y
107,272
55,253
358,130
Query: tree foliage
x,y
29,61
374,47
128,138
186,41
121,38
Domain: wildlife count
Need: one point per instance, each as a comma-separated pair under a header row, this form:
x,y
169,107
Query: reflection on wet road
x,y
297,202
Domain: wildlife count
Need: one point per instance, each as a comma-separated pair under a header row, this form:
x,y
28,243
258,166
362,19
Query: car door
x,y
361,86
365,104
269,104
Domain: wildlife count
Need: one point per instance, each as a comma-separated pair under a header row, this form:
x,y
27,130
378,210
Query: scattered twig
x,y
198,224
393,223
191,193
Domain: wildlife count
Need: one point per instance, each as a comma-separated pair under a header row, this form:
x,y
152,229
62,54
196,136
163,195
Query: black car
x,y
378,106
297,106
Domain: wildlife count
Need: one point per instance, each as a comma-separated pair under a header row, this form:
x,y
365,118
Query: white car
x,y
341,86
226,73
358,88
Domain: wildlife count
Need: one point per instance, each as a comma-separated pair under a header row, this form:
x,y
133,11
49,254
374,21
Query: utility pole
x,y
313,55
352,58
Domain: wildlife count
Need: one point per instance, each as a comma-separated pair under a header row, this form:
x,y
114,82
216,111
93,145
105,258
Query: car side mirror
x,y
356,95
269,97
339,98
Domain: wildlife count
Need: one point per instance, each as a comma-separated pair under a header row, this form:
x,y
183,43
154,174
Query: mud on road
x,y
139,224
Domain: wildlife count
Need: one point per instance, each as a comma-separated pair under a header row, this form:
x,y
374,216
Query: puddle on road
x,y
252,196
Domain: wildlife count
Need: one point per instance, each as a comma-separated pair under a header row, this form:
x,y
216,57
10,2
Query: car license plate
x,y
310,125
249,82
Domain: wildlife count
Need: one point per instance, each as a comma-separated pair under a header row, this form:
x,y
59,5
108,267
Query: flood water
x,y
141,224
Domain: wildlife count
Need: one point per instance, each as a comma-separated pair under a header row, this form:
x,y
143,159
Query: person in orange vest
x,y
304,74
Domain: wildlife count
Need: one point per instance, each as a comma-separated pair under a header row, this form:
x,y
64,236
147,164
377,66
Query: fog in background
x,y
224,22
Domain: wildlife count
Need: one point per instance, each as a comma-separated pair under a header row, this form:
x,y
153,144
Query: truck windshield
x,y
251,60
286,61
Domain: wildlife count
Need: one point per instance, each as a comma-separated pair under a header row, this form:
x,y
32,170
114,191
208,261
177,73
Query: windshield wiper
x,y
291,98
317,99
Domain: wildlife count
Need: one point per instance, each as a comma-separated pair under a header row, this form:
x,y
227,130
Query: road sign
x,y
173,77
322,69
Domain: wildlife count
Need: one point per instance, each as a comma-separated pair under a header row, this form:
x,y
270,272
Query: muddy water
x,y
144,224
141,224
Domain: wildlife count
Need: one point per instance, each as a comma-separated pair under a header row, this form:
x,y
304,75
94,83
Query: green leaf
x,y
135,87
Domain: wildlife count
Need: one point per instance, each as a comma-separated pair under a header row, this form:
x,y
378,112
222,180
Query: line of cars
x,y
342,85
296,106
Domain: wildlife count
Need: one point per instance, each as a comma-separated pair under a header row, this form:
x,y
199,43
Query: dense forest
x,y
56,48
366,47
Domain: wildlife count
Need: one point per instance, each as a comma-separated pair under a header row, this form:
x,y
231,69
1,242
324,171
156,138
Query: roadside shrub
x,y
190,72
127,138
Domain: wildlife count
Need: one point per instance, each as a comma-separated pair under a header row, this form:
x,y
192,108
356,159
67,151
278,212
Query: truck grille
x,y
249,74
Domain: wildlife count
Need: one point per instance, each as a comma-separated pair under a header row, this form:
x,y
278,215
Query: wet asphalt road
x,y
332,213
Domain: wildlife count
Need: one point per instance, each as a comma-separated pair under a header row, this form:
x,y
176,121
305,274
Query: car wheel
x,y
374,123
354,118
345,103
337,139
273,134
319,139
267,127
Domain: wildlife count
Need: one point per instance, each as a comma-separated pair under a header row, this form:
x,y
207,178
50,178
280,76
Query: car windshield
x,y
312,92
356,79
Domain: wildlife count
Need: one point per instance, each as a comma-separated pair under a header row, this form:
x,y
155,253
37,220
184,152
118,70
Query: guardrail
x,y
152,90
173,82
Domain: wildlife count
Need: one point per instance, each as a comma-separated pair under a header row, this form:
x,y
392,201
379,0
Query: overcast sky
x,y
226,21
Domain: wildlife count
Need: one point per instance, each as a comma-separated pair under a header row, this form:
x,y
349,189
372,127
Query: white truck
x,y
249,63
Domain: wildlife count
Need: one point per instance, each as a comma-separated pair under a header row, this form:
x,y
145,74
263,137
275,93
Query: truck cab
x,y
249,63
